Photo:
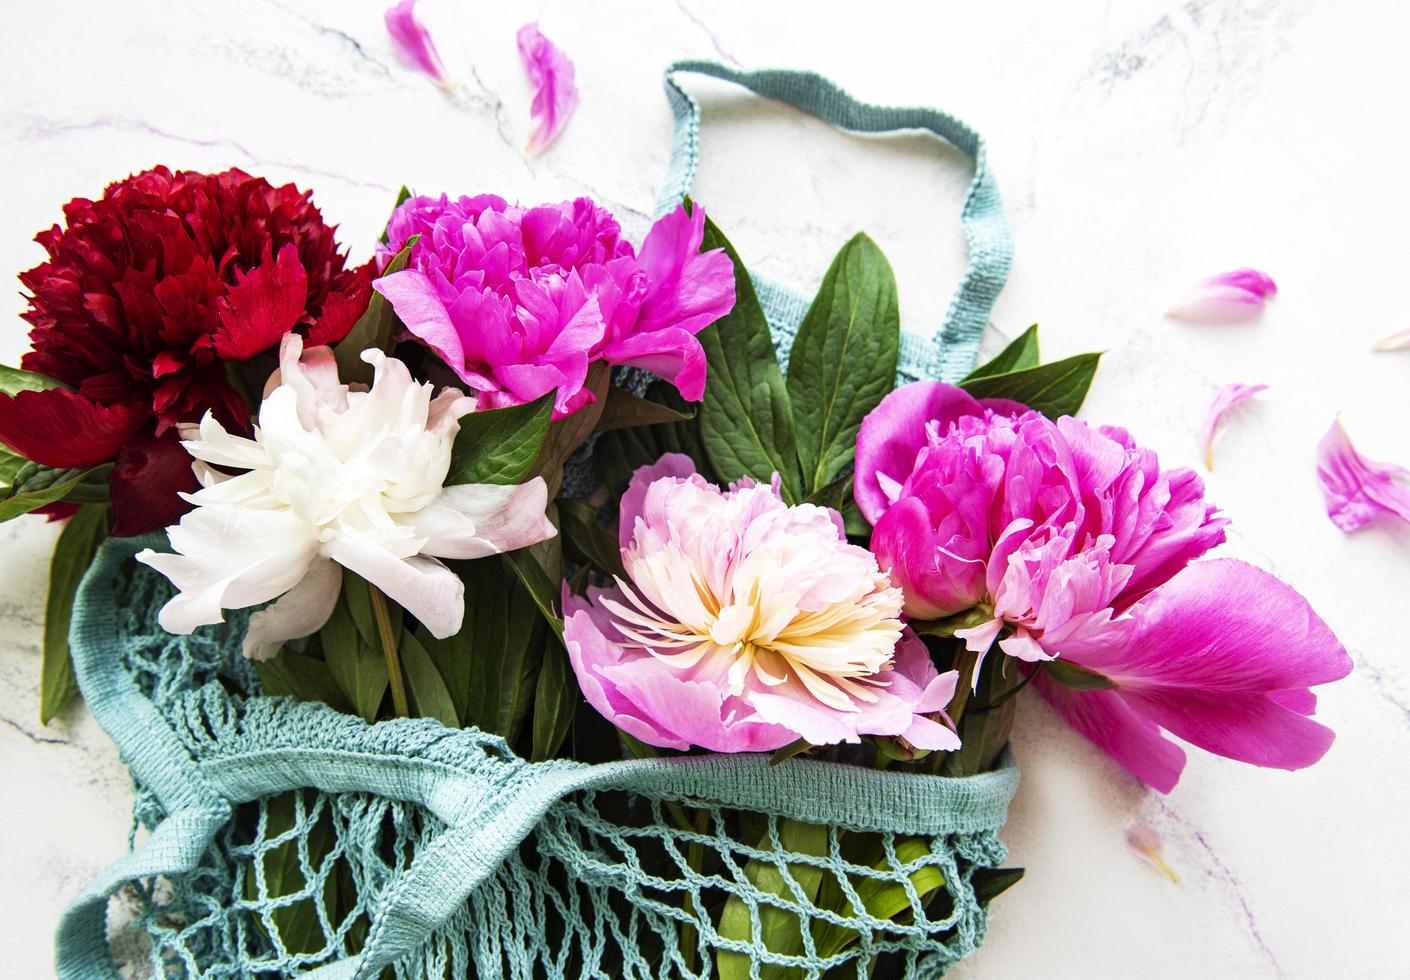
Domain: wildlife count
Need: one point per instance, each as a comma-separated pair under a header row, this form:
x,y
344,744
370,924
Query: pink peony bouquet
x,y
522,475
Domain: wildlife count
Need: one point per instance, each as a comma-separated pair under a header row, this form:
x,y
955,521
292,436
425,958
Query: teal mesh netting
x,y
275,838
439,853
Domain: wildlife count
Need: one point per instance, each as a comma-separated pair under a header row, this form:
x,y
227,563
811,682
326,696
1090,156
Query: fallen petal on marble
x,y
1229,297
1146,842
1224,399
1359,490
1396,341
555,91
413,42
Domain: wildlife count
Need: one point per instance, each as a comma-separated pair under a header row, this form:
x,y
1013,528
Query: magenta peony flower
x,y
746,624
519,301
1074,543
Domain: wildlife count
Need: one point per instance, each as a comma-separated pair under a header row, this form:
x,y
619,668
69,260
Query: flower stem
x,y
964,663
389,651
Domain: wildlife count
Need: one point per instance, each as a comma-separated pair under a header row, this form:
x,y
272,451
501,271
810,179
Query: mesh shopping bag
x,y
284,838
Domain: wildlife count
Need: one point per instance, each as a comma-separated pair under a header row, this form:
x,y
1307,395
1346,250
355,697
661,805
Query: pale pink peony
x,y
1070,541
520,301
745,624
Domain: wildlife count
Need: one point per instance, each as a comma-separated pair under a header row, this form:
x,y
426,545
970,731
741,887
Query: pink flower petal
x,y
908,550
1229,297
1224,399
419,307
472,520
1220,656
648,699
675,465
687,288
1146,842
1116,728
1396,341
413,43
1359,490
555,92
893,434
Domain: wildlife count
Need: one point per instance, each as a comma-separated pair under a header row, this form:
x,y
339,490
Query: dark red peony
x,y
147,295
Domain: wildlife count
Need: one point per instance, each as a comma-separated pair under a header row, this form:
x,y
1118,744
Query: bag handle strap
x,y
985,229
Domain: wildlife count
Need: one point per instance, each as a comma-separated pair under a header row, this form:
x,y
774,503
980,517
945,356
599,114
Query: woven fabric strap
x,y
946,356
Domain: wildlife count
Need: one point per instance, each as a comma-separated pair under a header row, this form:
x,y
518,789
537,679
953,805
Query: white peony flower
x,y
336,478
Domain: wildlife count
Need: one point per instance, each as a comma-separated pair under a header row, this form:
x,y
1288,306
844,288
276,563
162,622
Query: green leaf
x,y
1077,677
517,676
300,676
500,445
358,596
360,672
555,701
428,689
376,327
35,489
838,496
544,590
570,432
990,883
296,922
1054,389
625,411
472,661
794,748
968,619
10,466
13,381
593,738
93,488
843,361
78,543
402,195
780,929
620,452
746,419
881,898
588,541
1019,355
984,731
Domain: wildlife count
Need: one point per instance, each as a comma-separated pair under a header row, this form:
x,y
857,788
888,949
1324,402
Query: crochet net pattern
x,y
429,852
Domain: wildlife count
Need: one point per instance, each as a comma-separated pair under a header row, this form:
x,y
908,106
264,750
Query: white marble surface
x,y
1139,145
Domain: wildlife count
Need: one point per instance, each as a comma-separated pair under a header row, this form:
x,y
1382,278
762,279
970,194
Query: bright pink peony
x,y
519,301
1077,545
147,294
745,624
